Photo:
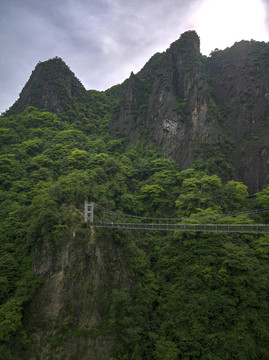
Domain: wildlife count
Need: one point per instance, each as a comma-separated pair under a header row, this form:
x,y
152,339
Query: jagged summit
x,y
188,41
52,85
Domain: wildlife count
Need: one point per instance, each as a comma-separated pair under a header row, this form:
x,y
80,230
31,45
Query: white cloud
x,y
222,23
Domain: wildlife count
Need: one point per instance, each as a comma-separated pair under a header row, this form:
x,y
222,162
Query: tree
x,y
199,192
235,193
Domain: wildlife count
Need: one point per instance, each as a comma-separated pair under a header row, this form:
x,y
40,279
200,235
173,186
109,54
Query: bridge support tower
x,y
88,210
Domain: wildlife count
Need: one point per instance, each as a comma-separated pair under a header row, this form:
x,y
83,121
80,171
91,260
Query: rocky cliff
x,y
68,318
239,84
196,107
168,102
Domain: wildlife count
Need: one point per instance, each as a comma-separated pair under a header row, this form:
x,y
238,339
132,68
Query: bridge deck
x,y
230,228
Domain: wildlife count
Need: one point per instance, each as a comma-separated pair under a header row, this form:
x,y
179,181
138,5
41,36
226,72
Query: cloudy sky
x,y
102,41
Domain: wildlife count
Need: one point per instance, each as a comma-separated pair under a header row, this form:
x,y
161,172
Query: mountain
x,y
51,86
193,108
196,107
173,108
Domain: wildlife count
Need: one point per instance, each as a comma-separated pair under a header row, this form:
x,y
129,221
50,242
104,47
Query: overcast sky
x,y
102,41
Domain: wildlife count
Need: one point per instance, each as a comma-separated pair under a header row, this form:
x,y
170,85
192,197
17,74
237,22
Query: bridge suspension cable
x,y
165,226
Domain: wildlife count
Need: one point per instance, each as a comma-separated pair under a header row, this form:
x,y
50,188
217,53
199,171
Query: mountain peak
x,y
52,85
189,40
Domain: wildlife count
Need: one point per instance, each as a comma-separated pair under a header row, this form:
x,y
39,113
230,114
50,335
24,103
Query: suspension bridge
x,y
169,224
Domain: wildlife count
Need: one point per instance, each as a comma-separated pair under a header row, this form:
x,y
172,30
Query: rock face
x,y
67,318
186,104
51,86
168,101
239,82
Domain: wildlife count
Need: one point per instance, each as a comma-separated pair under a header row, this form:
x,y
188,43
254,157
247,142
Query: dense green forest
x,y
193,295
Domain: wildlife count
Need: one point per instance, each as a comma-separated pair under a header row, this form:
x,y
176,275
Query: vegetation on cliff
x,y
193,296
136,294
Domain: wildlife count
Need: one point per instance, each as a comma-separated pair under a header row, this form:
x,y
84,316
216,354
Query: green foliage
x,y
235,194
262,246
263,197
213,158
199,192
152,193
187,295
10,319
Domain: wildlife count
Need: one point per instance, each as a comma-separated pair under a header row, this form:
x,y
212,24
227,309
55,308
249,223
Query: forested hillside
x,y
71,291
